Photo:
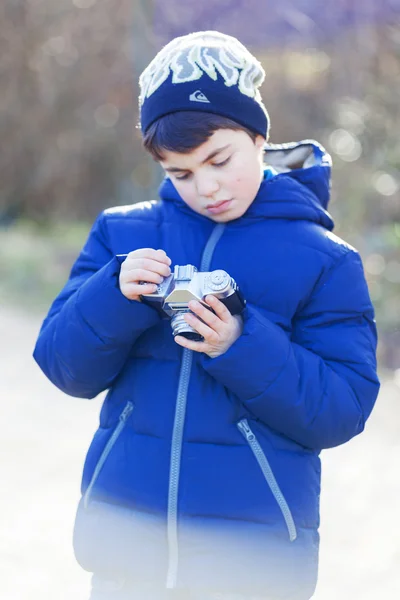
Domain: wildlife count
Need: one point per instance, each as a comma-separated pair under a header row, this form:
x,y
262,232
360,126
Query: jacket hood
x,y
296,185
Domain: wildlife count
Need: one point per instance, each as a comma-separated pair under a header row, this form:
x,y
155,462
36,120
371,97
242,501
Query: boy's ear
x,y
259,142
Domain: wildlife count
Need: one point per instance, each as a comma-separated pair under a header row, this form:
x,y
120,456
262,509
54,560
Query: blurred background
x,y
71,147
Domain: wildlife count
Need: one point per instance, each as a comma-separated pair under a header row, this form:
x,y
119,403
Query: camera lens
x,y
180,327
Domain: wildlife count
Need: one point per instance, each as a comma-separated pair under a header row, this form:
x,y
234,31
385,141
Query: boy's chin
x,y
225,217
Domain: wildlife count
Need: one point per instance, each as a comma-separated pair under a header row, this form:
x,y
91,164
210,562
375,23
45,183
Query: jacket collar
x,y
296,186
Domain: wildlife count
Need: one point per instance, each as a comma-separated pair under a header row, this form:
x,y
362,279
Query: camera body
x,y
172,297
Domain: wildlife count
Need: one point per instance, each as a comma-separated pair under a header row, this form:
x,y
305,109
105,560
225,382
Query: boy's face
x,y
221,178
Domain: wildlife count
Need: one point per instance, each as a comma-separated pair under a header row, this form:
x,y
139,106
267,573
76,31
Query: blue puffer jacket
x,y
206,471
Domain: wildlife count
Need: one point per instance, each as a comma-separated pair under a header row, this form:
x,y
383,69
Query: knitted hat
x,y
206,71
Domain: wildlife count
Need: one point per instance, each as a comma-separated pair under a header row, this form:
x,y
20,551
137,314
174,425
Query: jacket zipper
x,y
175,464
177,433
108,447
262,460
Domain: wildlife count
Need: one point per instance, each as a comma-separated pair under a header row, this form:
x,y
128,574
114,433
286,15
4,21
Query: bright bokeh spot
x,y
303,68
345,144
385,184
375,264
351,120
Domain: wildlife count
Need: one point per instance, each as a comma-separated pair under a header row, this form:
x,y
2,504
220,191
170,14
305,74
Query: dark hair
x,y
185,131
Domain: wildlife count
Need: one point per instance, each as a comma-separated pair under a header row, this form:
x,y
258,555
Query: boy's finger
x,y
219,307
149,264
133,290
201,328
163,256
158,255
205,314
190,344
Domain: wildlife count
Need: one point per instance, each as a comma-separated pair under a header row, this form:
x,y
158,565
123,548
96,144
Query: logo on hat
x,y
198,96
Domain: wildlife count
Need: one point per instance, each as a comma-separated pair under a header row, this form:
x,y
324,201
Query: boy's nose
x,y
207,187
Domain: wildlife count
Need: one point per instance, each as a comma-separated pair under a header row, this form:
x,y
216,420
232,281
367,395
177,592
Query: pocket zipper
x,y
107,449
262,460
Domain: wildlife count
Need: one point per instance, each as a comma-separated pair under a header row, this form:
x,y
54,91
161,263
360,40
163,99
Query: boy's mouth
x,y
218,207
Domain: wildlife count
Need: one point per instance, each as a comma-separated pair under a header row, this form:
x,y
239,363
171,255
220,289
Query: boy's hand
x,y
145,264
219,330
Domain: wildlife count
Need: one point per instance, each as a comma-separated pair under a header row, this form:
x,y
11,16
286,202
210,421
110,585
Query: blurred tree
x,y
68,108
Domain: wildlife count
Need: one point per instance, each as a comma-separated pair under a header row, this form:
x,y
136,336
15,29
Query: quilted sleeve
x,y
91,326
319,386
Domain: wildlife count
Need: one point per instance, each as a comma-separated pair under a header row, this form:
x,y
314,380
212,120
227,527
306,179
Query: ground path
x,y
44,437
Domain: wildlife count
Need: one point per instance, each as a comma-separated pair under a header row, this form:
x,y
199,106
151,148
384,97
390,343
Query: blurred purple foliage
x,y
266,23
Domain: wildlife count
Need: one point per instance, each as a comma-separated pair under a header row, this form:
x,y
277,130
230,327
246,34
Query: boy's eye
x,y
187,175
224,162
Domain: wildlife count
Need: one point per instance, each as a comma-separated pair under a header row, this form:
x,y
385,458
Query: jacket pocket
x,y
107,449
262,460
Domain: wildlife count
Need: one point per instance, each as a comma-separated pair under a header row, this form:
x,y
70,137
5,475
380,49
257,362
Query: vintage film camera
x,y
186,283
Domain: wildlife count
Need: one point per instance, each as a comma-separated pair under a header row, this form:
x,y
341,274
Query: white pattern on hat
x,y
206,52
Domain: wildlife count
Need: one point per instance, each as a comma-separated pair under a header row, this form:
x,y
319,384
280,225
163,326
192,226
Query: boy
x,y
203,479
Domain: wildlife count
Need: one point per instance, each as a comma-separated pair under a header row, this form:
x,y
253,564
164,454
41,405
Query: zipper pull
x,y
126,412
244,427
